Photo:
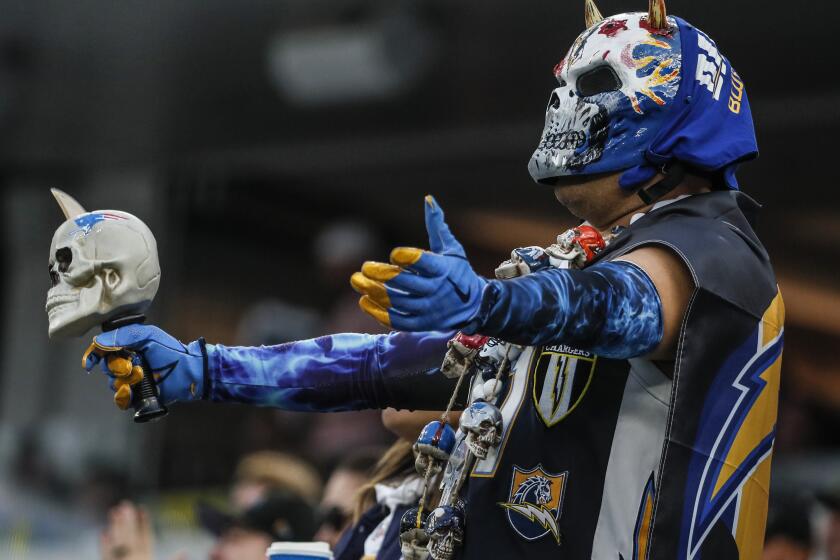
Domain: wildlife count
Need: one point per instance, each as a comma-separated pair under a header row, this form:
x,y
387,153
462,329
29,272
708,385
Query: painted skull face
x,y
102,264
615,86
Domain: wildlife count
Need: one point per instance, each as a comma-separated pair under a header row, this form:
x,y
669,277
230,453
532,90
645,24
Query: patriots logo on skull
x,y
86,222
535,502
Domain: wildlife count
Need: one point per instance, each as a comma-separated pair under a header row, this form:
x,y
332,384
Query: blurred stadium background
x,y
272,146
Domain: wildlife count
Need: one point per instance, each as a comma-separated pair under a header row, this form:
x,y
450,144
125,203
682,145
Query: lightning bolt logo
x,y
732,474
539,515
562,376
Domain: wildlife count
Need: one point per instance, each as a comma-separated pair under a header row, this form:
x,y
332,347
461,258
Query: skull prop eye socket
x,y
64,257
598,80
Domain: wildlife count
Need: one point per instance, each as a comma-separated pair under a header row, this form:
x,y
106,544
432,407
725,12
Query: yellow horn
x,y
593,15
657,15
69,205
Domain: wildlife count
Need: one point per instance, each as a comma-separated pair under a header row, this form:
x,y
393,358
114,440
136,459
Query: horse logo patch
x,y
536,499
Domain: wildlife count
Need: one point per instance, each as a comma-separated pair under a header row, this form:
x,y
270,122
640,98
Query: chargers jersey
x,y
600,458
630,459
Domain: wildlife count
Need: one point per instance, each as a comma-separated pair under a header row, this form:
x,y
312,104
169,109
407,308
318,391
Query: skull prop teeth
x,y
102,264
482,423
413,537
433,447
445,528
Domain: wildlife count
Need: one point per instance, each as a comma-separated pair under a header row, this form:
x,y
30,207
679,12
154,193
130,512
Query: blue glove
x,y
124,354
422,290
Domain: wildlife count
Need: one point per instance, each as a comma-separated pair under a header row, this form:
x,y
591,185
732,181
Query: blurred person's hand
x,y
178,369
128,535
423,290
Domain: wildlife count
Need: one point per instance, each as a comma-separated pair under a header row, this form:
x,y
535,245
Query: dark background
x,y
183,113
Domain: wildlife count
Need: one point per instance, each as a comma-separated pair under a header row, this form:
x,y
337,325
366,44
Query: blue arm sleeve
x,y
335,373
611,309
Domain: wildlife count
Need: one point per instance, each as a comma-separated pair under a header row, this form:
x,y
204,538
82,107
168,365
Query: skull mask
x,y
413,538
482,422
433,447
615,86
445,527
102,264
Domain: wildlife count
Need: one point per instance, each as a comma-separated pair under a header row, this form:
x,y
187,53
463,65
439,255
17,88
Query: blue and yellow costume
x,y
605,454
664,458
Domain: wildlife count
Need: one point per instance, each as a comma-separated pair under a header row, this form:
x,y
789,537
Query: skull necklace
x,y
487,362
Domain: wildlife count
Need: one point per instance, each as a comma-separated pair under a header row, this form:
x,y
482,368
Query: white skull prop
x,y
482,422
102,264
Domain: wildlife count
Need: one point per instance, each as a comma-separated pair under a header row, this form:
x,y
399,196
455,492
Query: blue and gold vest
x,y
630,459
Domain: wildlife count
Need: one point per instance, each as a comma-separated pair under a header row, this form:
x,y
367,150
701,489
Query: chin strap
x,y
674,174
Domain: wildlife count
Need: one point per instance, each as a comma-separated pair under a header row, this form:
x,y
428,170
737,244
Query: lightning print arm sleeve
x,y
611,309
334,373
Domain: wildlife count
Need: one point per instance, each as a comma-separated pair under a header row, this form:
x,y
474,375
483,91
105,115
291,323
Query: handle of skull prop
x,y
144,395
147,406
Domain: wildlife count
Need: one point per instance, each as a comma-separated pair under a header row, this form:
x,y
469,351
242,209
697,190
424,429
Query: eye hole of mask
x,y
598,80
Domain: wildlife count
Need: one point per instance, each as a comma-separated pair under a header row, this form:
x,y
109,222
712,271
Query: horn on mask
x,y
69,205
592,13
657,15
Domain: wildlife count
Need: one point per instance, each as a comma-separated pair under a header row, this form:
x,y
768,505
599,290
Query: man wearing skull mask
x,y
639,419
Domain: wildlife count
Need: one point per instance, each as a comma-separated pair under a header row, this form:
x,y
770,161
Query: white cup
x,y
299,551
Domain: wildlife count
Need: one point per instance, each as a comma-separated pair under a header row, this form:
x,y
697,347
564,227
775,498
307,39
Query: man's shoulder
x,y
706,215
712,234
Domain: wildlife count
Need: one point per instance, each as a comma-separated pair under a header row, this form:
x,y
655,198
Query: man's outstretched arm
x,y
334,373
331,373
628,308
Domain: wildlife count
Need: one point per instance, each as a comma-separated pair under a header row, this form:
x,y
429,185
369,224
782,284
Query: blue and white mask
x,y
640,90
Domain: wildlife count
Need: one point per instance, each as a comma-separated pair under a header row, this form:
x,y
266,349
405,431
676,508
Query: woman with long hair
x,y
393,488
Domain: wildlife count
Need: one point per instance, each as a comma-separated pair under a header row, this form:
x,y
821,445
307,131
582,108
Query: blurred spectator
x,y
831,501
271,321
279,516
272,498
264,471
128,535
338,503
788,535
393,488
339,250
